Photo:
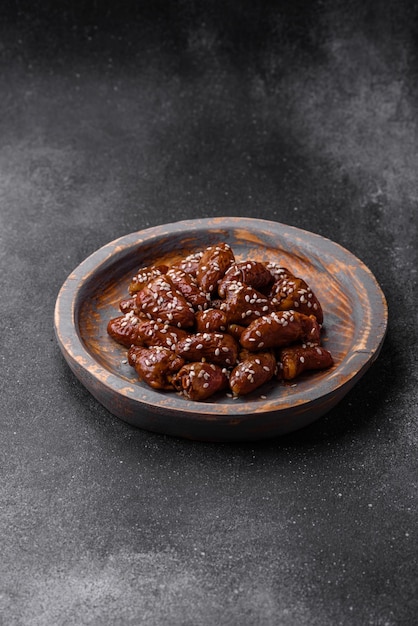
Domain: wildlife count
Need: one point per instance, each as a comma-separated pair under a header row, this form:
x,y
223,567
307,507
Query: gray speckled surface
x,y
115,120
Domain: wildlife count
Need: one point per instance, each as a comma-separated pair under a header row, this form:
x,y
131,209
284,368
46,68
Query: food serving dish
x,y
355,323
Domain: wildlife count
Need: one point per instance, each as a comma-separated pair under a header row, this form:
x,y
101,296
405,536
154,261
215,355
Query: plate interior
x,y
333,280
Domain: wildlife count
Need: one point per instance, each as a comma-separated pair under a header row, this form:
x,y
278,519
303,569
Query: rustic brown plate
x,y
355,325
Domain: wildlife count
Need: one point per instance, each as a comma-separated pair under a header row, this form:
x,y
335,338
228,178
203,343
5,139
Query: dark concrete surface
x,y
116,118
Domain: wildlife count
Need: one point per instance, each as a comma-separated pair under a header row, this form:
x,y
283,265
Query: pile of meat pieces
x,y
209,323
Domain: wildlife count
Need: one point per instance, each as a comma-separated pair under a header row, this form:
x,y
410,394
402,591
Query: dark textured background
x,y
115,118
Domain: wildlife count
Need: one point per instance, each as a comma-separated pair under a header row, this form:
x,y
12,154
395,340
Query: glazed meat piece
x,y
156,366
280,329
187,285
294,360
252,371
251,273
213,265
236,330
125,329
278,271
290,292
157,334
218,348
161,301
210,321
129,304
190,263
244,304
144,275
198,381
